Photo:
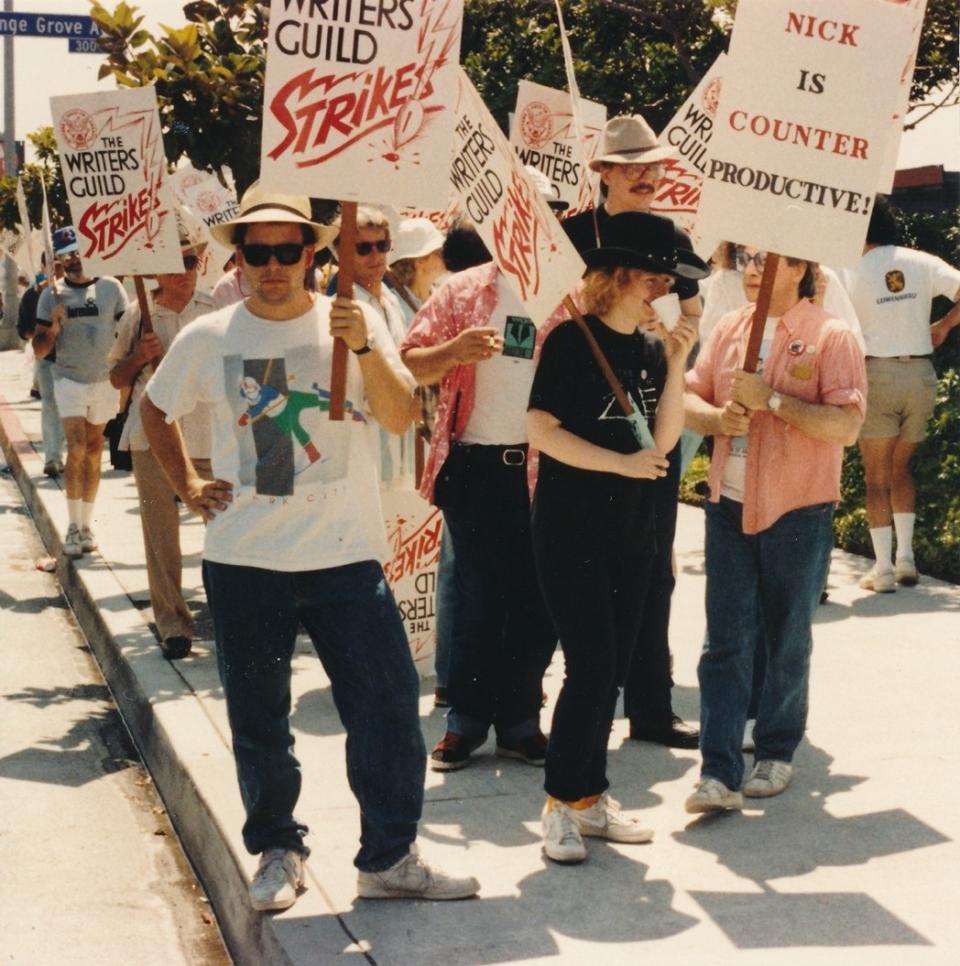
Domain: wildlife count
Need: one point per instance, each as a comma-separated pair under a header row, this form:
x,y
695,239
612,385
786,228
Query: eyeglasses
x,y
636,170
382,246
190,262
743,260
288,253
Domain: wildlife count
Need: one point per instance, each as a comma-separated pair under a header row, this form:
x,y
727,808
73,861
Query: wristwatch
x,y
774,402
365,348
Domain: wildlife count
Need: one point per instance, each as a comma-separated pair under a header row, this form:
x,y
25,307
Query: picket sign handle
x,y
752,355
608,373
146,323
348,252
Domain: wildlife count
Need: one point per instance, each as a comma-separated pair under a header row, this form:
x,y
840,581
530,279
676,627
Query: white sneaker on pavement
x,y
276,881
87,540
747,744
562,838
879,581
72,547
768,778
412,878
713,796
906,573
604,820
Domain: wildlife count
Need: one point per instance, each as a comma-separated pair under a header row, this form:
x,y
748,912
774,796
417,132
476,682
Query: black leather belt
x,y
477,453
899,358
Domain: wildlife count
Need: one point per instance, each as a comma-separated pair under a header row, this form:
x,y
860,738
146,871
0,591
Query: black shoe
x,y
675,733
440,698
176,647
453,752
532,750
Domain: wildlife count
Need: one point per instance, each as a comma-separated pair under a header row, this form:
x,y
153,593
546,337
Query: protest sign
x,y
514,220
357,100
689,134
544,136
802,123
441,218
114,171
414,528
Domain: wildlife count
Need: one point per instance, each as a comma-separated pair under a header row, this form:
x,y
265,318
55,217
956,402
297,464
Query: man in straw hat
x,y
175,303
630,163
295,536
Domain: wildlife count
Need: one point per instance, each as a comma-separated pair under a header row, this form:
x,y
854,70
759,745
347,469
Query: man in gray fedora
x,y
630,164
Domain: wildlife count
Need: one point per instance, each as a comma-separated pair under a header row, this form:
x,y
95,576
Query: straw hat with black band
x,y
629,140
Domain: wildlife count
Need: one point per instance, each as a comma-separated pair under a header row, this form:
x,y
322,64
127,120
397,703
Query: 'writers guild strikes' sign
x,y
515,222
357,101
111,154
800,137
542,132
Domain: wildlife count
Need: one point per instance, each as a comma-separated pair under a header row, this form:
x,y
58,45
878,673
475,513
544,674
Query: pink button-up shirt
x,y
813,358
465,301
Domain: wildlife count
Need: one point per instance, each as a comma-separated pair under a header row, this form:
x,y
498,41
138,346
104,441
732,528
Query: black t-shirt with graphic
x,y
570,385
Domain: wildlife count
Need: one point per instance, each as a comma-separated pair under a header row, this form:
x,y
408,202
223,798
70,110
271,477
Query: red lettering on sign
x,y
516,235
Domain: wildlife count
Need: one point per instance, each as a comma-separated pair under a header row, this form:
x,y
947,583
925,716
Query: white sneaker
x,y
604,820
412,878
562,840
72,547
906,573
768,778
87,540
747,744
879,581
276,881
713,796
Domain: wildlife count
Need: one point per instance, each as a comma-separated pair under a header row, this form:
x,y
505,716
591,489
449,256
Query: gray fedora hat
x,y
628,139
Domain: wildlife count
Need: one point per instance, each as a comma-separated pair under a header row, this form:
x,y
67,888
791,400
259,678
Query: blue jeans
x,y
353,622
447,601
772,579
51,426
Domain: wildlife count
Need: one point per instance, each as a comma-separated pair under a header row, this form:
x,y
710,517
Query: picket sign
x,y
357,107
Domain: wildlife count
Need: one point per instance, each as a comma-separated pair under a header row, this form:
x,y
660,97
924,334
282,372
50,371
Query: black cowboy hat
x,y
637,239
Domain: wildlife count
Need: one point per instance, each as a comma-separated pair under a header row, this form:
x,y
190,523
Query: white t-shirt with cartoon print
x,y
305,488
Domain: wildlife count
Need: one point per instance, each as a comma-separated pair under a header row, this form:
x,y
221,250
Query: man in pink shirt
x,y
775,476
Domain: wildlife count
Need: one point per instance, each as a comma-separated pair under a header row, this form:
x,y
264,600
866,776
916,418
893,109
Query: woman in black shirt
x,y
593,508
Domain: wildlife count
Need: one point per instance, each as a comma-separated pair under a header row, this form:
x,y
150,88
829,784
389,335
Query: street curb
x,y
250,937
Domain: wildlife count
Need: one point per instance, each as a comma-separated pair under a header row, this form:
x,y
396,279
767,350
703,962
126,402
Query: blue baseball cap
x,y
65,241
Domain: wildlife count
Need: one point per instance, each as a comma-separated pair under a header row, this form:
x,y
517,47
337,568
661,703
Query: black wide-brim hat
x,y
637,239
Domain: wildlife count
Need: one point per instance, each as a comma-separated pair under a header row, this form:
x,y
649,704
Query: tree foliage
x,y
44,171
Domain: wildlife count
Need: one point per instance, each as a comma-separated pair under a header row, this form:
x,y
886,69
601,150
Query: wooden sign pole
x,y
752,356
146,323
348,253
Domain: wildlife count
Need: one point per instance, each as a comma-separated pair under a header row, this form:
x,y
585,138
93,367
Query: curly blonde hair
x,y
602,287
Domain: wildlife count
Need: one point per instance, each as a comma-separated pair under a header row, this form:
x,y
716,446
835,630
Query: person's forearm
x,y
941,329
566,447
391,398
43,341
125,372
670,413
429,364
832,424
700,416
167,446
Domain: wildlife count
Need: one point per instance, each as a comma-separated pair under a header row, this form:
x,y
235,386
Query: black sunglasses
x,y
190,262
289,253
382,246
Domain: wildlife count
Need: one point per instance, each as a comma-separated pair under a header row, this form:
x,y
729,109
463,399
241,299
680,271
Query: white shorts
x,y
96,402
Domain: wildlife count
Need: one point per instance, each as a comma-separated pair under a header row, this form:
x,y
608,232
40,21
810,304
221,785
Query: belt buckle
x,y
514,457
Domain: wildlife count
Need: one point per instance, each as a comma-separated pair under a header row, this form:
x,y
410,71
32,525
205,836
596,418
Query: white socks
x,y
882,540
903,524
74,512
86,514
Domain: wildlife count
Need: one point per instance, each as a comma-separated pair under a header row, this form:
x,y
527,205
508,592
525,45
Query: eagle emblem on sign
x,y
895,281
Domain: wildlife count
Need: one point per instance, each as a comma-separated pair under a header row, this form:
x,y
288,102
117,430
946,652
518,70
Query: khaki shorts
x,y
900,398
96,402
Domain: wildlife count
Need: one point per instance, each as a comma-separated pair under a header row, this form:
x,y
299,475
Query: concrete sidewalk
x,y
858,860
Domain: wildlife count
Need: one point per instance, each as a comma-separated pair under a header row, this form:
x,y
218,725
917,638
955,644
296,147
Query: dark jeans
x,y
646,694
502,639
446,610
594,592
775,578
353,622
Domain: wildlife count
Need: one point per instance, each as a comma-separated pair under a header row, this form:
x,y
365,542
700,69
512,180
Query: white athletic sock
x,y
74,512
86,514
882,540
903,524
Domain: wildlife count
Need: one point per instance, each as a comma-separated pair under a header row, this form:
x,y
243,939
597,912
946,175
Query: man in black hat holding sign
x,y
630,164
